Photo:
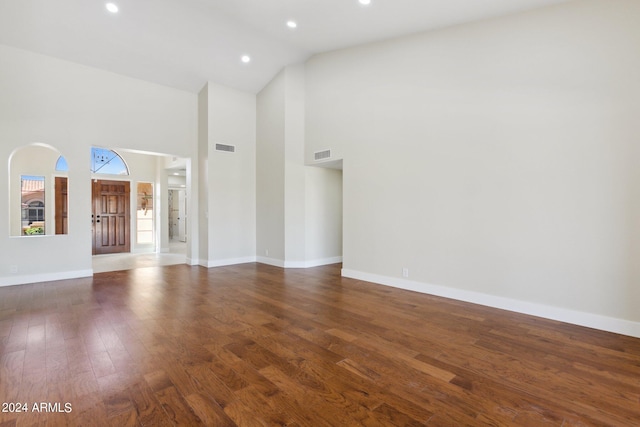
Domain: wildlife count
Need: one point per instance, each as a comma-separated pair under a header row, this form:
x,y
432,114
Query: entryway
x,y
139,214
111,217
130,261
177,215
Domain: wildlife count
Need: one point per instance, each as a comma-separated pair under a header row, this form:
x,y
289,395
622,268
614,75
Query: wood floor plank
x,y
317,409
148,409
208,410
258,345
11,371
177,408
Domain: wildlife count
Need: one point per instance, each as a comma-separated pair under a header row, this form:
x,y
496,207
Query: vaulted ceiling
x,y
185,43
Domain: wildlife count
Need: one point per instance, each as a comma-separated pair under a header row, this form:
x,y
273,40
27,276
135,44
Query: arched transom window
x,y
105,161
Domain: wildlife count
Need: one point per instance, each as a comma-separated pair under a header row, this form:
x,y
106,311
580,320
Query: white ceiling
x,y
185,43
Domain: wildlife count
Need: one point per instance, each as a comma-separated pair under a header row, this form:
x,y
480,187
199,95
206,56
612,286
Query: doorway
x,y
178,215
111,217
148,210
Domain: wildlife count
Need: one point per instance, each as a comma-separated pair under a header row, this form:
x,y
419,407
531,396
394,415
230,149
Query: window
x,y
144,213
61,165
38,199
105,161
32,196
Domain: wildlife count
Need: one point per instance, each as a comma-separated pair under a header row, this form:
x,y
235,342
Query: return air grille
x,y
321,155
225,147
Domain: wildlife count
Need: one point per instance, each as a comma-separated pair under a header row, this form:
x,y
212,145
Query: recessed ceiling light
x,y
292,24
246,59
112,7
365,2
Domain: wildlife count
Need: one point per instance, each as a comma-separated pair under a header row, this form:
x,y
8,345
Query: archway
x,y
38,192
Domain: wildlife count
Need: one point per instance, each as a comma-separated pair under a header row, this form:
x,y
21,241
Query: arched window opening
x,y
61,165
38,191
105,161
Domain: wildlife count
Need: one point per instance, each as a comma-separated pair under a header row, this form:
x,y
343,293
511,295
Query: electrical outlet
x,y
14,269
266,252
405,272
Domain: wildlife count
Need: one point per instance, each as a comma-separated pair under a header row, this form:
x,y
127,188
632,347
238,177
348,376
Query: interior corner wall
x,y
294,167
231,177
193,191
161,207
281,171
496,161
270,172
71,108
203,181
323,225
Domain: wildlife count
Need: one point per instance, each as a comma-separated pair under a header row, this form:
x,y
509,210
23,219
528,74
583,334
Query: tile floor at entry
x,y
129,261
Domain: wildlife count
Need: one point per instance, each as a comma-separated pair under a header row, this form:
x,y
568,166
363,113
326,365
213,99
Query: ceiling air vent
x,y
321,155
225,147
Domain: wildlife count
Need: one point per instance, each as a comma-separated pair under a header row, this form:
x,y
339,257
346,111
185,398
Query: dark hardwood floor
x,y
257,345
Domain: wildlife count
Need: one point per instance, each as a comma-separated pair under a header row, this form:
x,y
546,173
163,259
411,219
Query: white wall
x,y
294,168
289,234
323,215
203,180
497,161
270,171
71,108
231,176
177,182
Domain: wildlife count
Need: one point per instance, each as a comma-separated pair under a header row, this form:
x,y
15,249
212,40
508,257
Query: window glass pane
x,y
32,206
61,165
144,213
108,162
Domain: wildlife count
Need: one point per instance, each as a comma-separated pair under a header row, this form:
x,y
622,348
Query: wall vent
x,y
321,155
225,147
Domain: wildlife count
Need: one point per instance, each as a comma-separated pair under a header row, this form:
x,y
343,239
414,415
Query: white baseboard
x,y
298,264
192,261
590,320
312,263
230,261
270,261
45,277
323,261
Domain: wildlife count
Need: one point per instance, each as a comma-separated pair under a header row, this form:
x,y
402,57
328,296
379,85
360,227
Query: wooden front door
x,y
111,217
